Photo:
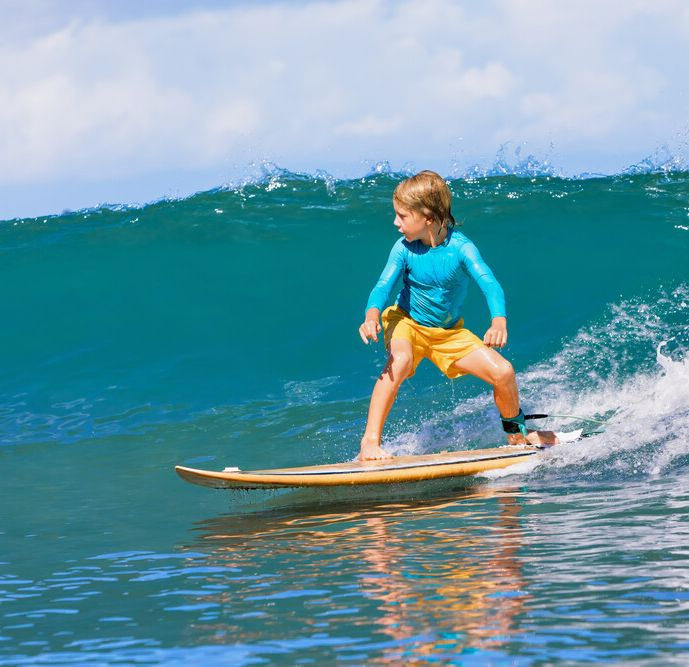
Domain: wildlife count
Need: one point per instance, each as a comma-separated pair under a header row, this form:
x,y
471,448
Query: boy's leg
x,y
491,367
398,367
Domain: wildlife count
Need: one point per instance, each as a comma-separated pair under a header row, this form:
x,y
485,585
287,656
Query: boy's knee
x,y
400,364
504,373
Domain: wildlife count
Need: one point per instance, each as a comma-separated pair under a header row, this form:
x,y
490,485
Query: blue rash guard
x,y
435,280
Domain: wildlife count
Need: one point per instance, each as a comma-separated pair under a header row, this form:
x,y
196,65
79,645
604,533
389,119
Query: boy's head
x,y
428,194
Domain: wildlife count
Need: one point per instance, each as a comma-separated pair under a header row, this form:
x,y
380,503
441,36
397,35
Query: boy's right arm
x,y
371,326
381,293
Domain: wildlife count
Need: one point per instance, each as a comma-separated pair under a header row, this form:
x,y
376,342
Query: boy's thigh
x,y
484,363
448,350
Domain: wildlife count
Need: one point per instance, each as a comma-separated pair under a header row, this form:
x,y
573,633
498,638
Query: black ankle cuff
x,y
514,424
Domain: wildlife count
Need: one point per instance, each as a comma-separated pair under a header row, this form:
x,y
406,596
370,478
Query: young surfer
x,y
435,262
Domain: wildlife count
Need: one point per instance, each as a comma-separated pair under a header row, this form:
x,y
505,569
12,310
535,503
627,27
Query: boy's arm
x,y
496,336
381,293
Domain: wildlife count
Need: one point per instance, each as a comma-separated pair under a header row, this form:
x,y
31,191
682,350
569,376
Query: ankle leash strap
x,y
515,424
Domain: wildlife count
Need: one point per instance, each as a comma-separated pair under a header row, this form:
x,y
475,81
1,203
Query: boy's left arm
x,y
496,336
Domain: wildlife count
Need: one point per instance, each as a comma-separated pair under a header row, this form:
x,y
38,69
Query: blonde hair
x,y
428,194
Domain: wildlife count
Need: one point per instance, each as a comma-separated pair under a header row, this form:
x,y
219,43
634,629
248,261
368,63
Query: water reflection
x,y
573,573
434,577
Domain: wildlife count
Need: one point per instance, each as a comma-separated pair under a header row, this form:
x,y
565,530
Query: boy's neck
x,y
436,238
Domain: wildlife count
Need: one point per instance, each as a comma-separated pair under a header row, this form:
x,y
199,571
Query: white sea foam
x,y
630,371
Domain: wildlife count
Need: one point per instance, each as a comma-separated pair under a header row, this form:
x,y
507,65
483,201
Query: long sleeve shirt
x,y
435,280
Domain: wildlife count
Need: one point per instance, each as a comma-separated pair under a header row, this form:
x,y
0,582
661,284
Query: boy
x,y
435,263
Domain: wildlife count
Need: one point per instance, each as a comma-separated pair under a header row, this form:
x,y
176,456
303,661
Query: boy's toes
x,y
373,454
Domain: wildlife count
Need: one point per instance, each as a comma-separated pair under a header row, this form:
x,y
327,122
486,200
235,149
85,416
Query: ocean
x,y
221,330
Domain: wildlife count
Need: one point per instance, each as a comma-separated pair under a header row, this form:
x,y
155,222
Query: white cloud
x,y
370,126
589,104
335,82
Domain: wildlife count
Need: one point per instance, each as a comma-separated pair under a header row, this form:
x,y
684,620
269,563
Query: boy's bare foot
x,y
372,451
536,438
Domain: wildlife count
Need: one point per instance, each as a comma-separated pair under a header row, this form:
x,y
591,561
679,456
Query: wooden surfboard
x,y
389,471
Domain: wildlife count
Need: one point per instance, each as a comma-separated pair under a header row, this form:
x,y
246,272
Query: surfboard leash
x,y
598,422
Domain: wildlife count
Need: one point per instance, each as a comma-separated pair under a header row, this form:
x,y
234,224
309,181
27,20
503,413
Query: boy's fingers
x,y
374,333
369,330
500,340
495,338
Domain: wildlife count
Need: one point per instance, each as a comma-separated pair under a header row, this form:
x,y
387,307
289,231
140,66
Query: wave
x,y
510,160
629,369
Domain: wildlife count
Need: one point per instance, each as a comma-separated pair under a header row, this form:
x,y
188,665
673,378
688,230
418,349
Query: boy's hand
x,y
371,326
496,336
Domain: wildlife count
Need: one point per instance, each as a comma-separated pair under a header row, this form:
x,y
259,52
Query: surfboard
x,y
389,471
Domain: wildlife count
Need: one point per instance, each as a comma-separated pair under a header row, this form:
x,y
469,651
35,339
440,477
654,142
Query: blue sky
x,y
127,101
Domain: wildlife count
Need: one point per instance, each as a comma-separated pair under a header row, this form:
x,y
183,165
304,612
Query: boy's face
x,y
414,225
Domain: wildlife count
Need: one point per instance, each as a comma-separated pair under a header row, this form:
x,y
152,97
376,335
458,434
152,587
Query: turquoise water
x,y
222,330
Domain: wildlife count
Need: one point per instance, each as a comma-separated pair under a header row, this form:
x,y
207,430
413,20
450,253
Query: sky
x,y
128,101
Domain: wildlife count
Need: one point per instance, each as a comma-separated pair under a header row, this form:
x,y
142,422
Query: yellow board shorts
x,y
442,346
